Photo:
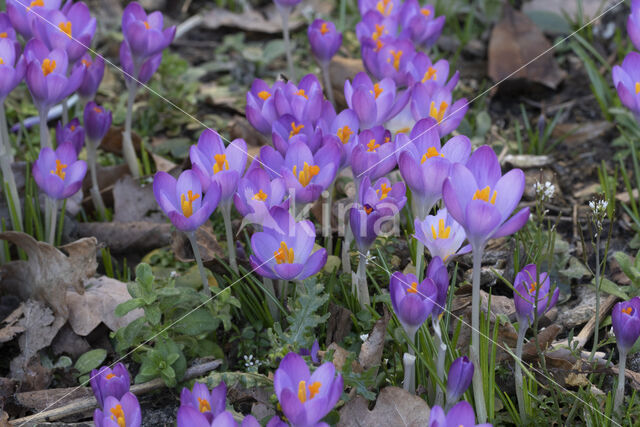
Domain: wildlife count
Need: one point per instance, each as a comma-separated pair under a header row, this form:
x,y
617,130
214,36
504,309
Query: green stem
x,y
225,208
346,249
273,307
442,349
45,140
478,385
53,213
597,318
326,76
361,286
284,14
620,389
196,254
65,112
409,362
63,210
522,330
98,203
7,173
128,151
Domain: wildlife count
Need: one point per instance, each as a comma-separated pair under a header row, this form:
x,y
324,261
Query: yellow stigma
x,y
65,27
371,146
73,127
378,33
313,390
425,12
86,63
344,133
260,195
396,58
443,232
413,289
532,287
295,129
637,87
385,7
284,255
109,376
430,74
146,25
35,3
379,45
1,61
221,163
384,189
377,90
187,203
3,35
431,152
264,95
59,169
306,174
302,94
324,29
48,66
203,405
368,209
97,110
627,310
117,415
438,114
484,195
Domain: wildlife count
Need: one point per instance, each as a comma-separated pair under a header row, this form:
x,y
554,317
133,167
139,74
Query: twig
x,y
587,330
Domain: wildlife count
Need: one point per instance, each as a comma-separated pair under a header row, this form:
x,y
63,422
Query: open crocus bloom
x,y
288,130
422,70
123,412
375,29
261,108
626,79
303,101
428,100
59,173
461,415
306,398
481,199
257,194
188,416
22,13
6,29
373,155
425,164
183,200
633,24
12,67
97,121
109,382
72,133
210,403
441,235
345,127
386,8
373,103
285,251
390,60
531,292
144,33
412,302
307,174
420,24
625,318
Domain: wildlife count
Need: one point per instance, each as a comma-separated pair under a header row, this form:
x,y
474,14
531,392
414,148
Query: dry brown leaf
x,y
131,201
371,350
394,407
339,324
40,400
342,69
208,245
544,337
127,237
516,45
11,328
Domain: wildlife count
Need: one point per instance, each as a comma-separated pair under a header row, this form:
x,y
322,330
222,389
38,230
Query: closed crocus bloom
x,y
420,24
626,79
107,382
210,403
461,415
261,108
308,174
373,103
94,72
6,29
412,302
123,412
436,102
625,318
304,101
142,74
183,200
437,271
288,130
144,34
373,154
47,75
441,235
530,287
71,30
459,378
633,24
481,199
257,193
390,60
59,173
22,13
285,251
12,67
306,398
324,39
422,70
72,132
97,122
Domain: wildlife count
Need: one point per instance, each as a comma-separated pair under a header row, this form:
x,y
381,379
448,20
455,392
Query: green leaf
x,y
90,360
153,314
196,323
609,287
628,267
246,379
304,318
128,306
575,269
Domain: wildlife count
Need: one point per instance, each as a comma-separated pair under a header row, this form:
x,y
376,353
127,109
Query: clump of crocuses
x,y
108,381
460,415
123,412
203,408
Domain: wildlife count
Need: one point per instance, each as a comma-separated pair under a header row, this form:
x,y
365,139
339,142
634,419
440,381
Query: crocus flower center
x,y
295,129
260,195
48,66
637,87
443,232
368,209
3,35
426,12
396,58
344,133
146,25
627,310
313,390
284,255
109,376
383,191
377,90
429,74
86,63
306,174
65,27
1,61
203,405
385,7
187,203
324,29
484,195
413,289
431,152
35,3
221,163
438,113
371,146
378,33
117,415
96,110
379,45
301,93
264,95
532,287
59,169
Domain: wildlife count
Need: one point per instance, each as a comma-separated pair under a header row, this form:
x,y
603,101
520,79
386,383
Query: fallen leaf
x,y
545,337
11,328
339,323
269,21
371,350
208,245
127,237
524,161
133,202
340,70
112,142
53,398
577,133
394,407
162,164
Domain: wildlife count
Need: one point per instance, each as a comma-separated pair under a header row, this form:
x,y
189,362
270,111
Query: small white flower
x,y
545,191
173,274
364,337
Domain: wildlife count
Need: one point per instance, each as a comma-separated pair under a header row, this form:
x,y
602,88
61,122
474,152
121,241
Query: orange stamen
x,y
430,74
413,289
384,189
306,174
48,66
86,63
438,114
344,133
109,376
295,129
203,405
426,12
65,27
627,310
431,152
443,232
377,90
117,415
484,195
187,203
396,58
264,95
371,146
3,35
284,255
59,169
385,7
146,25
260,195
324,29
221,163
302,94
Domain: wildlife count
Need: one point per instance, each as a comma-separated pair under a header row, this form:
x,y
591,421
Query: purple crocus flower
x,y
285,251
324,39
143,72
92,76
261,108
481,199
144,34
531,291
72,132
313,352
211,403
373,154
626,79
257,193
71,30
375,206
376,103
97,122
212,162
419,24
345,126
428,100
625,318
422,70
387,8
183,200
412,302
47,75
461,415
437,271
288,130
23,12
375,29
109,382
6,29
123,412
188,416
459,378
425,164
391,60
59,173
304,101
306,398
12,67
441,235
633,24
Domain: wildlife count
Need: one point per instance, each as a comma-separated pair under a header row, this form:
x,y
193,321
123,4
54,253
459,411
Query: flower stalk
x,y
128,150
522,330
7,172
225,208
478,385
191,235
620,388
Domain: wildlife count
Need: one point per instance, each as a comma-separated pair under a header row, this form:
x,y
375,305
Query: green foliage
x,y
245,379
539,137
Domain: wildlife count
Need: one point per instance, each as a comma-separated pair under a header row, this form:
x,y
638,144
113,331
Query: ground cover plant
x,y
371,212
